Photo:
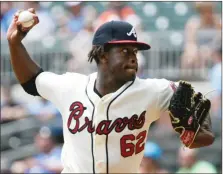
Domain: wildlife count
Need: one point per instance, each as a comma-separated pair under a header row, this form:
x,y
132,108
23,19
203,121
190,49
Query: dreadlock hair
x,y
95,53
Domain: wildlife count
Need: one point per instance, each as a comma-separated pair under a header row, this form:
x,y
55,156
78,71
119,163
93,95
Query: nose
x,y
133,61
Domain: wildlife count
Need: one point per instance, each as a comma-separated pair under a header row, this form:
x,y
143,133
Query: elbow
x,y
208,139
211,139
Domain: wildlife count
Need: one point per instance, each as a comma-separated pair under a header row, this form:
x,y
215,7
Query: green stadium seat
x,y
162,23
176,12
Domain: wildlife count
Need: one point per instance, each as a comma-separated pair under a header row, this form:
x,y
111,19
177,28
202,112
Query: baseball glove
x,y
188,111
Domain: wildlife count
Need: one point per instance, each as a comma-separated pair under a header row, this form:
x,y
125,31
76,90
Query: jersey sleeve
x,y
49,86
166,90
52,86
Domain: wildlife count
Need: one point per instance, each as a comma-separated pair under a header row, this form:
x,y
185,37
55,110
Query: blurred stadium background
x,y
186,44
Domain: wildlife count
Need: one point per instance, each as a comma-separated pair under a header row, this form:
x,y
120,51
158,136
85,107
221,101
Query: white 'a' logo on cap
x,y
132,32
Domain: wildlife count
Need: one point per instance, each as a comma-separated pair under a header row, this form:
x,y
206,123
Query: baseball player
x,y
106,115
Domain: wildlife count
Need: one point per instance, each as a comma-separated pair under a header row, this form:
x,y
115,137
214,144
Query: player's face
x,y
122,62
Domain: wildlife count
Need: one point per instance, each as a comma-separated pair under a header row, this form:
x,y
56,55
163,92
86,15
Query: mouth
x,y
132,68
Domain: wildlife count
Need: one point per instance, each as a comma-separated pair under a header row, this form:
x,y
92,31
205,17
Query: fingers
x,y
21,30
17,13
36,19
16,16
202,110
32,10
199,95
197,98
19,24
207,104
16,31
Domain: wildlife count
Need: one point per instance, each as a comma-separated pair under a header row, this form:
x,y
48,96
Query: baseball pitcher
x,y
106,115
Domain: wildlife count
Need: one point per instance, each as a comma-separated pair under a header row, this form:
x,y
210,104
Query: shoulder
x,y
50,82
161,87
154,83
72,75
58,78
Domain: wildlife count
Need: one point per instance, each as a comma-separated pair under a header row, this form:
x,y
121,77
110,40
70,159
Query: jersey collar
x,y
95,98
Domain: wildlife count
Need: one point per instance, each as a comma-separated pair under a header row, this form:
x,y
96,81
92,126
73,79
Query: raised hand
x,y
16,32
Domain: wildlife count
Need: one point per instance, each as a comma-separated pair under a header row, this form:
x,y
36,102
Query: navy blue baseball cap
x,y
117,32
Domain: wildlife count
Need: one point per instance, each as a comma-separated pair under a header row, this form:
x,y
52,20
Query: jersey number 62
x,y
128,148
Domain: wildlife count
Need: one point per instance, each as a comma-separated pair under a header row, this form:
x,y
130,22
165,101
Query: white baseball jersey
x,y
104,134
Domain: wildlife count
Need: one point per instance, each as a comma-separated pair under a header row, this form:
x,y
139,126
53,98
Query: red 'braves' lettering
x,y
90,128
84,125
105,126
77,109
122,124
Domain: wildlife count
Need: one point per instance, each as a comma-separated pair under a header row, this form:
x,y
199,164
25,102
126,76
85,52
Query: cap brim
x,y
139,45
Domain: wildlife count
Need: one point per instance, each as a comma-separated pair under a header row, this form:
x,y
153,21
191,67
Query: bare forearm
x,y
23,66
203,138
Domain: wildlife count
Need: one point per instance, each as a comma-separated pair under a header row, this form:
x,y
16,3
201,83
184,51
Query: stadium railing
x,y
162,61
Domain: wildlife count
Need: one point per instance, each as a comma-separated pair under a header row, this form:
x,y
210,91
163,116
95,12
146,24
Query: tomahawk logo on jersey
x,y
104,134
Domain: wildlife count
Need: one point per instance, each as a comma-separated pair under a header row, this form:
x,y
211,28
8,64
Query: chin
x,y
131,77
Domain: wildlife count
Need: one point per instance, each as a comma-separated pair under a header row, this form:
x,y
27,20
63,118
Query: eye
x,y
135,51
125,51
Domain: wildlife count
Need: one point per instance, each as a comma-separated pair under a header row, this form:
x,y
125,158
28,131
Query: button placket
x,y
100,140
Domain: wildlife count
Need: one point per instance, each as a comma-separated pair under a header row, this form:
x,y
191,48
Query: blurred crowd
x,y
47,160
187,160
77,21
202,49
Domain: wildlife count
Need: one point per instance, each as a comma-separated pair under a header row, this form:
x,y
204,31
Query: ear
x,y
103,58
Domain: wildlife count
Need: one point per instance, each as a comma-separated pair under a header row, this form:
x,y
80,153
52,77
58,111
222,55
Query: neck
x,y
106,83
